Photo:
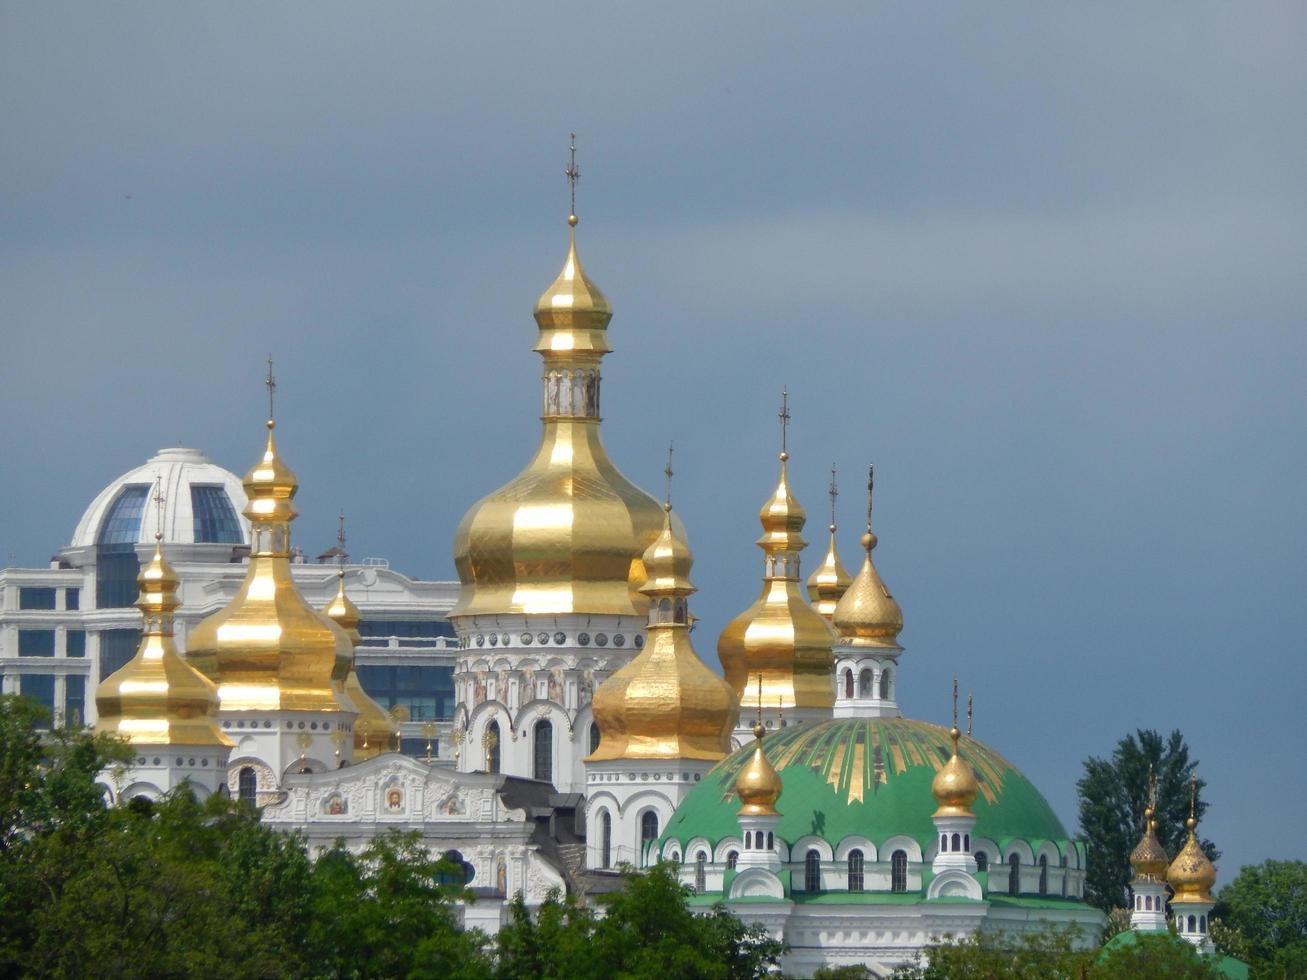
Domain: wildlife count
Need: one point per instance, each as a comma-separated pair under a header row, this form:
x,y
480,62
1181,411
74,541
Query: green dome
x,y
870,777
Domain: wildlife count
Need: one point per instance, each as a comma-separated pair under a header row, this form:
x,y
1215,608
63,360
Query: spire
x,y
758,784
955,786
830,579
1192,874
781,516
1149,858
867,614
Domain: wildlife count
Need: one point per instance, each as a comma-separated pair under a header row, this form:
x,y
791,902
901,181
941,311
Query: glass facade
x,y
215,518
38,687
427,692
72,598
122,524
75,643
116,563
36,643
30,597
116,648
74,699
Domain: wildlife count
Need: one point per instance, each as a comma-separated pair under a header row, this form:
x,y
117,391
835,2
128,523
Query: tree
x,y
1048,954
1155,955
1267,903
1113,793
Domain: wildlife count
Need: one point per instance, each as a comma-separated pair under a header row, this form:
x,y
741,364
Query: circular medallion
x,y
504,639
494,639
560,638
481,639
619,640
601,639
542,637
525,638
583,639
639,642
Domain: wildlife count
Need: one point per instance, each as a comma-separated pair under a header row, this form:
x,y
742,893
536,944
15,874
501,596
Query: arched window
x,y
491,742
966,842
898,871
1193,924
1148,902
594,736
732,857
679,615
957,842
848,683
606,839
748,840
943,842
1202,923
864,684
248,786
982,861
648,826
664,610
544,751
1043,874
812,872
855,870
884,684
1062,863
700,873
1014,874
771,843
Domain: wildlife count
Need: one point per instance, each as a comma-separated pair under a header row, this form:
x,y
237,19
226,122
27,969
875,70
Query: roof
x,y
1227,965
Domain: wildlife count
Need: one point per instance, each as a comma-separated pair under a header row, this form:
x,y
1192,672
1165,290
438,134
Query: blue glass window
x,y
215,518
427,692
72,598
36,643
122,524
34,598
75,699
116,648
116,568
40,688
75,643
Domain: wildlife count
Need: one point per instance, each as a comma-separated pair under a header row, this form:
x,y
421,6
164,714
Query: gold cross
x,y
968,716
573,175
955,702
158,498
271,382
784,416
834,492
668,473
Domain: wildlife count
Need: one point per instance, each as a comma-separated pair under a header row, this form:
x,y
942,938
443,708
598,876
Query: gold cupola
x,y
829,580
374,727
156,698
759,784
1192,874
1149,858
568,533
269,649
867,615
955,786
780,641
665,703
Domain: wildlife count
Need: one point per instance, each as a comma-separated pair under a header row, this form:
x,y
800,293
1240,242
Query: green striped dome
x,y
870,777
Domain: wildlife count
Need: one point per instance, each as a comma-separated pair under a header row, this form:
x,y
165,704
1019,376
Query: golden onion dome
x,y
780,641
828,583
268,649
374,726
156,698
665,703
955,786
566,535
1149,858
1191,875
759,785
867,615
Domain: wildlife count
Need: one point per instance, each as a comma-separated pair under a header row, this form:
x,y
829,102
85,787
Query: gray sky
x,y
1042,264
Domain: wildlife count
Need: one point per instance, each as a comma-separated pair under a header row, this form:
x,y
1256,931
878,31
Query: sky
x,y
1042,264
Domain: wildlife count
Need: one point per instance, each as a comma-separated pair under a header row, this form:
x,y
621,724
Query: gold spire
x,y
268,649
829,580
156,698
567,534
780,640
1149,857
955,786
1192,875
867,615
758,785
374,726
665,704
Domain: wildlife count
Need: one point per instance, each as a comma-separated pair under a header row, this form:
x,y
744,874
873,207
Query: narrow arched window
x,y
864,684
648,826
248,786
732,857
943,842
606,839
664,610
982,861
491,742
855,870
966,842
594,737
771,843
1043,874
957,842
748,840
812,872
1014,874
884,684
848,683
1062,863
544,751
898,871
1202,923
700,873
1193,924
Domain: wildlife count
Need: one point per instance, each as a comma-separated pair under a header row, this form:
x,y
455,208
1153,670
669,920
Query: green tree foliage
x,y
1156,955
1267,904
1113,793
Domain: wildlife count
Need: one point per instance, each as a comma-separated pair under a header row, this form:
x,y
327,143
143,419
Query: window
x,y
1014,874
72,598
408,632
116,569
1202,923
648,826
943,842
491,743
771,843
30,597
966,842
116,648
732,858
1193,924
898,871
38,687
605,839
426,691
748,840
247,786
594,737
75,643
884,684
543,768
848,683
700,873
75,700
36,643
864,684
982,861
957,842
1043,874
214,516
122,523
855,870
812,872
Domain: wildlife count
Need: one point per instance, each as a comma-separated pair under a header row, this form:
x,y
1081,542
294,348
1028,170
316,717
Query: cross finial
x,y
573,175
340,541
271,382
955,702
667,472
968,716
871,486
158,498
760,700
834,492
784,416
1193,797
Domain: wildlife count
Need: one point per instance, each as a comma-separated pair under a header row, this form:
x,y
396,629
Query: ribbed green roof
x,y
867,776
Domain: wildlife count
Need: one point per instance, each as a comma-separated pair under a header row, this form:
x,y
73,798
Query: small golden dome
x,y
955,786
759,785
867,615
782,517
1191,875
156,698
829,581
665,703
573,314
374,726
1149,857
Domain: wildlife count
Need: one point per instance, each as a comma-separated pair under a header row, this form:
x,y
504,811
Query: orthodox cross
x,y
340,542
573,175
968,716
667,472
1193,796
834,492
760,700
158,498
784,416
955,702
271,382
871,484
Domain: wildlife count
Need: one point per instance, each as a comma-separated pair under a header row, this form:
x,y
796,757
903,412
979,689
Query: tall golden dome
x,y
1191,875
759,785
156,698
955,786
1149,857
780,641
269,649
665,703
829,580
567,534
868,615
